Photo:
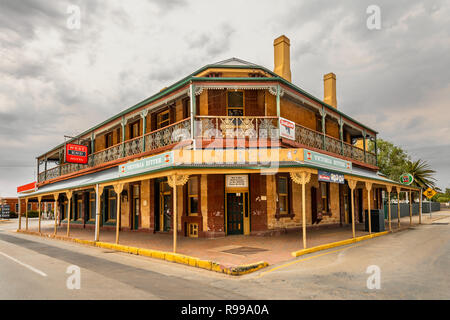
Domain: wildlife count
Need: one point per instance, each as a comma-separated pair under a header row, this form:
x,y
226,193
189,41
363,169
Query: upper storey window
x,y
235,103
214,75
162,119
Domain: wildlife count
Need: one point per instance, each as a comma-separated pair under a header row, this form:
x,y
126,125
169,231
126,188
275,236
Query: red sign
x,y
76,153
27,187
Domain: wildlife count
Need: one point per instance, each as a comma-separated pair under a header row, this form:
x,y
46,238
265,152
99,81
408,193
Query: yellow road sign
x,y
429,193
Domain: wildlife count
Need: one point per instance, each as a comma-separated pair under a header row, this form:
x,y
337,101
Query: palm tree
x,y
422,173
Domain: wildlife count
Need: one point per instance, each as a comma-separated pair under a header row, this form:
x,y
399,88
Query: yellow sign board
x,y
429,193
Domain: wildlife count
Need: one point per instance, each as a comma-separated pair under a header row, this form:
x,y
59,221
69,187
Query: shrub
x,y
33,214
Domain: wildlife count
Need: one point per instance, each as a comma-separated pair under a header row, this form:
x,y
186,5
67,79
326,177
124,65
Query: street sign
x,y
429,193
406,179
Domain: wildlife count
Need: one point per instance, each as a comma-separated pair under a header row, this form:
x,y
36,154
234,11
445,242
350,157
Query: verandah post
x,y
389,190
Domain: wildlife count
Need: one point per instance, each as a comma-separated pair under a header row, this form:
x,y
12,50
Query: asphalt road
x,y
413,264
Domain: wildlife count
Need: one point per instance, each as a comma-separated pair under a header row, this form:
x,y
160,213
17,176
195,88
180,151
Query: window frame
x,y
91,214
111,196
159,121
241,108
109,136
289,213
325,198
283,195
194,195
131,127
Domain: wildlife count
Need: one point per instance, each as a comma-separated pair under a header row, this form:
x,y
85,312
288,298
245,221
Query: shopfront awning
x,y
91,179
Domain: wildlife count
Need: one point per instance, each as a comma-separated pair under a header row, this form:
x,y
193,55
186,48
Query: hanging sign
x,y
147,164
330,177
287,128
429,193
331,162
237,181
406,179
76,153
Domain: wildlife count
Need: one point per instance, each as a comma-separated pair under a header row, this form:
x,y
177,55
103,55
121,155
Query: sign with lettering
x,y
287,129
147,164
330,162
406,179
76,153
237,181
331,177
5,210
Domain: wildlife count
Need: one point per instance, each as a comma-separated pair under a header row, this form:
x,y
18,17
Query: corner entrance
x,y
236,205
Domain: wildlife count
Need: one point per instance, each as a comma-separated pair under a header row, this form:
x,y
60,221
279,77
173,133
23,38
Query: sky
x,y
58,80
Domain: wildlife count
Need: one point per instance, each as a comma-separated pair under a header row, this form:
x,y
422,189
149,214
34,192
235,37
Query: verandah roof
x,y
111,175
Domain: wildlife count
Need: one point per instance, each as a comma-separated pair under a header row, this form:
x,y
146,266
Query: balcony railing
x,y
239,127
163,137
208,127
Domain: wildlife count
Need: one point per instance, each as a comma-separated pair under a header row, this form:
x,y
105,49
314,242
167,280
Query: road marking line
x,y
24,264
308,258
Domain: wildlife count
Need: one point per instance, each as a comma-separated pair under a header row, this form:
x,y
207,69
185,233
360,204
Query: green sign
x,y
406,179
324,160
147,164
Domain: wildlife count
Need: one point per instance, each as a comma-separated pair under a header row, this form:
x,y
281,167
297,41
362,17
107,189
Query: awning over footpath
x,y
112,175
87,180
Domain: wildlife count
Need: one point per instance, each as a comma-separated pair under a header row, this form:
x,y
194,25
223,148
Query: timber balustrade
x,y
207,127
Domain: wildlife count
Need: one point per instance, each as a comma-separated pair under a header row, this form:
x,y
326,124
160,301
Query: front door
x,y
235,213
135,206
165,203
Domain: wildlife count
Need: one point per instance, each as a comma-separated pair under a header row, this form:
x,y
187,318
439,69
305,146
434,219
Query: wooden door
x,y
235,213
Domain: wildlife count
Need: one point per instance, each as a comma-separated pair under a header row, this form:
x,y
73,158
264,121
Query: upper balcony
x,y
216,132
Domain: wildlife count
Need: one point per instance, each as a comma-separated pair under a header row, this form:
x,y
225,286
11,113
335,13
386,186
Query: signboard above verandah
x,y
147,164
327,161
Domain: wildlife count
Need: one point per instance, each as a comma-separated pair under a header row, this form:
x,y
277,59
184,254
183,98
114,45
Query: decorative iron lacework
x,y
308,137
240,127
333,145
169,135
133,147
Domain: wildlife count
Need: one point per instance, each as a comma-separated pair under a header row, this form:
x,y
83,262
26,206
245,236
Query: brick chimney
x,y
329,89
282,57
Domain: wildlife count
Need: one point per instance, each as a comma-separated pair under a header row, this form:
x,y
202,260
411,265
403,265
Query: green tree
x,y
392,160
422,174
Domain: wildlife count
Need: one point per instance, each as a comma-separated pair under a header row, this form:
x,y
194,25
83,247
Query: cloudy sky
x,y
56,80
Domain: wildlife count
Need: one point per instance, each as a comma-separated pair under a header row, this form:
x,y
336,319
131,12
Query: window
x,y
193,196
118,135
283,194
235,105
79,208
91,205
108,140
134,130
112,205
29,206
256,75
17,207
325,196
214,75
162,119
